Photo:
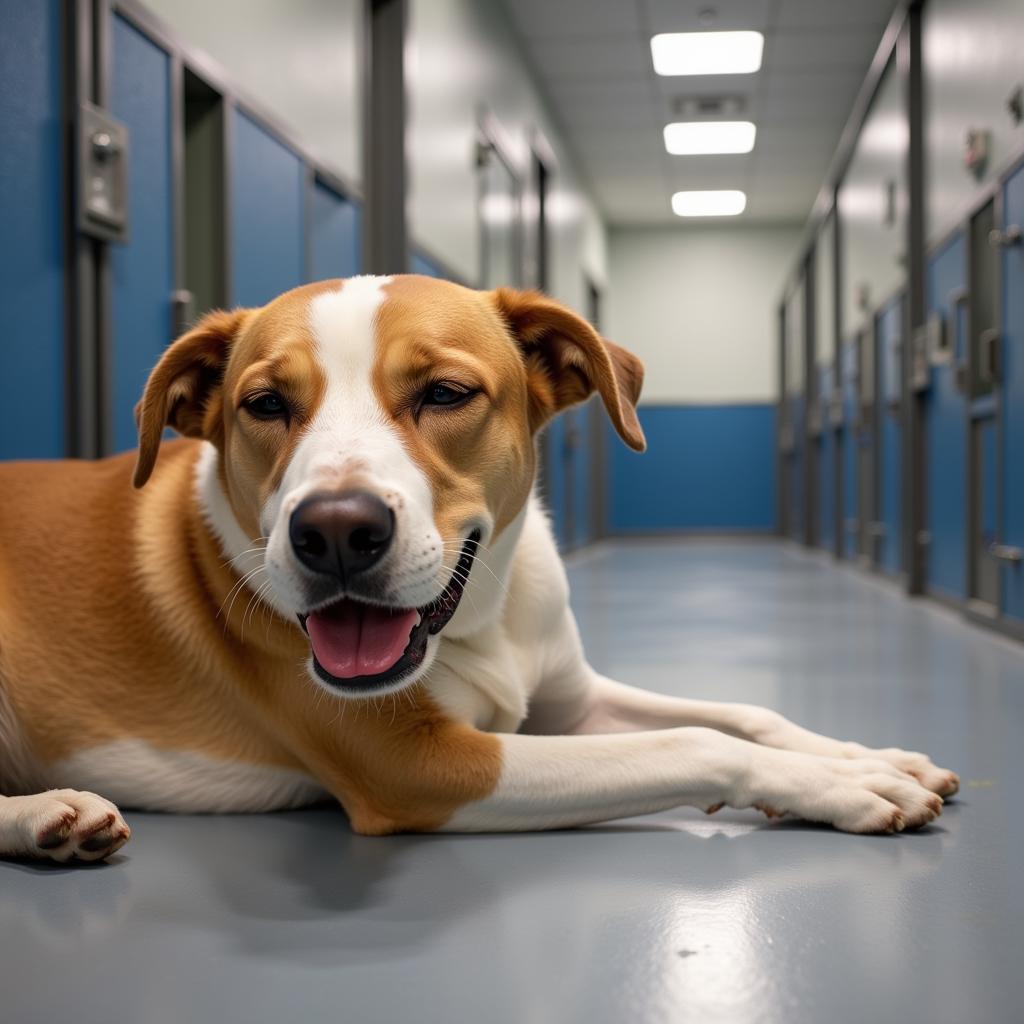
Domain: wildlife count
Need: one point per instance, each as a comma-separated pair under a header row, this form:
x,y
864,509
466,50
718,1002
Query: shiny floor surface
x,y
677,917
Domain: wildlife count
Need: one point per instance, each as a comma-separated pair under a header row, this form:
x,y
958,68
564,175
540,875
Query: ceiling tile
x,y
685,15
591,57
544,19
834,14
593,61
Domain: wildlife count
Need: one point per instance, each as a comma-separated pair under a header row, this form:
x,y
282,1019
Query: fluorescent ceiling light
x,y
686,138
726,203
707,53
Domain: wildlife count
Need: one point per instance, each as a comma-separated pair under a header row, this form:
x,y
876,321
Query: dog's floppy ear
x,y
180,389
567,360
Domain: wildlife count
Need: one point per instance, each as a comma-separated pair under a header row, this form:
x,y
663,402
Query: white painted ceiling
x,y
593,62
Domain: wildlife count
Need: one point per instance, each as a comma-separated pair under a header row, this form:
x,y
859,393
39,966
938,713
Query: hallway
x,y
670,918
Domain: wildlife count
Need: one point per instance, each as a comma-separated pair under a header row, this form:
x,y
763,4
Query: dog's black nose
x,y
341,534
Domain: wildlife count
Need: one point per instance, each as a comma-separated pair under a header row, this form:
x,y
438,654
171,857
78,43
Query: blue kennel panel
x,y
143,266
335,234
945,432
889,335
32,417
267,216
1013,403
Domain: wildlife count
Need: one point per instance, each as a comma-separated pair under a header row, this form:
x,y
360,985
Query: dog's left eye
x,y
267,406
444,394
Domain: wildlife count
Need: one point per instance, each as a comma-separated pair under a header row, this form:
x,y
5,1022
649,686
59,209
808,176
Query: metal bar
x,y
810,443
914,507
837,376
385,241
781,488
104,343
80,319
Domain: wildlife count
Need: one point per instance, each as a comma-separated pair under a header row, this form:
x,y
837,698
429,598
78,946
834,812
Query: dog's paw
x,y
920,766
61,825
857,795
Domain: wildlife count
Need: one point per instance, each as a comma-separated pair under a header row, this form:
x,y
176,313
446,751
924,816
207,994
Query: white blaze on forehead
x,y
344,324
351,431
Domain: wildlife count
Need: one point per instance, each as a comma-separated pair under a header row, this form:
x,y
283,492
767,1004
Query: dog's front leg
x,y
606,706
450,777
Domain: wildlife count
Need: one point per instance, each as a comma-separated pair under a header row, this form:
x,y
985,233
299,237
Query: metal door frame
x,y
973,414
491,144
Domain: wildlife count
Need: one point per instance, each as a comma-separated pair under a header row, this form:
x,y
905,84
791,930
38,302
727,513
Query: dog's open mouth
x,y
366,647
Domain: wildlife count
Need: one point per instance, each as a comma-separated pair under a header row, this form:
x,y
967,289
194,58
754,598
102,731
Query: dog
x,y
340,583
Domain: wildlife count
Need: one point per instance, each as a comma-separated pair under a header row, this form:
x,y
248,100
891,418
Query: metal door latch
x,y
1006,239
989,356
102,175
1006,553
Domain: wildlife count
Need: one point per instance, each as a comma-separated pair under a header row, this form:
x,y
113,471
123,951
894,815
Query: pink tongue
x,y
352,639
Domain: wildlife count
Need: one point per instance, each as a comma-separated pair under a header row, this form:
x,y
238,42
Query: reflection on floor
x,y
670,918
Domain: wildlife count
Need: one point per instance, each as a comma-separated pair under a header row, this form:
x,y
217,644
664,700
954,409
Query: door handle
x,y
1006,553
988,356
1005,239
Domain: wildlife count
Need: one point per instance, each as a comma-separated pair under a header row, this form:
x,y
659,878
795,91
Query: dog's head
x,y
373,434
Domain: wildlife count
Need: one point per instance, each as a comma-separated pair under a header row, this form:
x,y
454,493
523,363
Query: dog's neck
x,y
485,593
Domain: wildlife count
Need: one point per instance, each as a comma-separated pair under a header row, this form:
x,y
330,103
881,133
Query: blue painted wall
x,y
890,328
707,467
336,226
945,440
143,269
32,252
1013,401
267,236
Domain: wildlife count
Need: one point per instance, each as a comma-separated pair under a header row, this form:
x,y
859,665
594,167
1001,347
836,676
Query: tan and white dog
x,y
343,586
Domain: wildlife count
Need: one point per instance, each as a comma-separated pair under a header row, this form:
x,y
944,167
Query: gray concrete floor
x,y
669,918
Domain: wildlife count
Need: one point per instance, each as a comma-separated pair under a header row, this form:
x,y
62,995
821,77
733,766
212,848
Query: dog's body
x,y
342,586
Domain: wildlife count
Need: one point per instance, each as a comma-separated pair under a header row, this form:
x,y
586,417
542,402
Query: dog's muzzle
x,y
363,647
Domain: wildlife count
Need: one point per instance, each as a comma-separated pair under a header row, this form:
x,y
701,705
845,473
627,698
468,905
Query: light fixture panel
x,y
707,53
690,138
720,203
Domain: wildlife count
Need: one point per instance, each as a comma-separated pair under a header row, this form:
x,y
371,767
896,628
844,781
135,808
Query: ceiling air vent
x,y
690,107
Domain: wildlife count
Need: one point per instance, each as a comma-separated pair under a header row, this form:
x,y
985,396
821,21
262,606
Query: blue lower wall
x,y
707,467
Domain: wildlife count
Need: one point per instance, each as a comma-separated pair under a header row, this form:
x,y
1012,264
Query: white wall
x,y
699,304
463,59
299,60
873,247
972,62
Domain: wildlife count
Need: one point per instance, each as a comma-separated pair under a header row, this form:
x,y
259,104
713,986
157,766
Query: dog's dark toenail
x,y
95,843
52,840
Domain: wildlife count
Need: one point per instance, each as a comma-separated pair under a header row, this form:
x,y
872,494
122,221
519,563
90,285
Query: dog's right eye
x,y
268,405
